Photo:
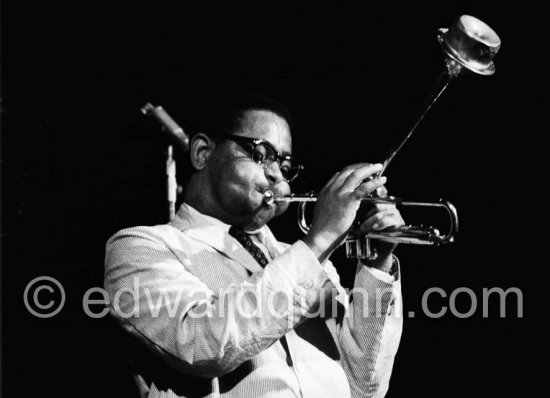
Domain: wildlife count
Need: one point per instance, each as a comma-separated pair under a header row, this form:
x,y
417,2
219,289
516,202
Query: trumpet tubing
x,y
359,246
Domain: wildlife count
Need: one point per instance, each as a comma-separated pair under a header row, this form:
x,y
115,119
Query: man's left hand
x,y
380,217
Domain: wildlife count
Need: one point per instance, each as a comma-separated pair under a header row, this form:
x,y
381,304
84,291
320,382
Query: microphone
x,y
168,124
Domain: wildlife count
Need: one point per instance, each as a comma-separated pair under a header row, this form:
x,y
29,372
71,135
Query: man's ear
x,y
200,149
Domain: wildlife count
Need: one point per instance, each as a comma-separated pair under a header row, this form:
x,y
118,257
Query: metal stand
x,y
172,184
182,140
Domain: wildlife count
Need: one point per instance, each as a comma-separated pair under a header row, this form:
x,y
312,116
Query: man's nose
x,y
273,173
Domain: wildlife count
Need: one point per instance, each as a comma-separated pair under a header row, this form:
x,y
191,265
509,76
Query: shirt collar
x,y
211,220
260,233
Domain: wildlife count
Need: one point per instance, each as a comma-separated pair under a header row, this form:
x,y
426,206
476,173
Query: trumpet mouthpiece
x,y
269,197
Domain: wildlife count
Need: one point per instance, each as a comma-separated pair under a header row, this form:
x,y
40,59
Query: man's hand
x,y
337,206
380,217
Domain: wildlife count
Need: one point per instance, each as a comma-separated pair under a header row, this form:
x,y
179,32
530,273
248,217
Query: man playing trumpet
x,y
221,308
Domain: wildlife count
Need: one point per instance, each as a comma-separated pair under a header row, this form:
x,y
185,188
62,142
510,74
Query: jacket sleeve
x,y
206,333
370,331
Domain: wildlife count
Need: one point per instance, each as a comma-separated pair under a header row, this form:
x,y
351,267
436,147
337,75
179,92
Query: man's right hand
x,y
337,205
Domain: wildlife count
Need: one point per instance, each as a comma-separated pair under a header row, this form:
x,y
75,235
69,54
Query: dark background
x,y
79,162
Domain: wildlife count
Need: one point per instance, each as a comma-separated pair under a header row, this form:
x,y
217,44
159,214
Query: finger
x,y
346,171
357,176
390,220
352,167
368,187
384,223
333,178
338,180
329,183
381,192
392,213
377,207
374,219
382,220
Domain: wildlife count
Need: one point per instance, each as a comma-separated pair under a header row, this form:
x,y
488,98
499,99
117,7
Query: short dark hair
x,y
218,115
223,114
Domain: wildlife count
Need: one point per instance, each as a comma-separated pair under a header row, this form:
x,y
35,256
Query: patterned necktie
x,y
244,239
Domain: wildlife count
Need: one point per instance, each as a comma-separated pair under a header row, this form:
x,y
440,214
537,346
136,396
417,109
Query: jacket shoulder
x,y
164,234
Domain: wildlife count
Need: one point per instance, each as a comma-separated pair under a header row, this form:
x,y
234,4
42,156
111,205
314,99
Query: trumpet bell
x,y
471,43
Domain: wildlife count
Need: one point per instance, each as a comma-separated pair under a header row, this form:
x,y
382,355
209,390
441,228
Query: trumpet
x,y
360,247
469,45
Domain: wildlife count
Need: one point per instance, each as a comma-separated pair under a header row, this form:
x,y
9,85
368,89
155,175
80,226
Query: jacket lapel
x,y
273,245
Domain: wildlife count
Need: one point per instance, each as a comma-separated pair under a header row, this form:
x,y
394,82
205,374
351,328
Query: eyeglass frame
x,y
239,140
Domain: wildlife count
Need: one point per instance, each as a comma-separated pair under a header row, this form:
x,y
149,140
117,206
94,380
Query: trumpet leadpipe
x,y
293,199
270,198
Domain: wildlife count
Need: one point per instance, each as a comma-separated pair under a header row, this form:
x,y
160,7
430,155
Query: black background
x,y
80,162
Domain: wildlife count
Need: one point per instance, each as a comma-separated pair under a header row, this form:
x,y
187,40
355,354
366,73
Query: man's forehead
x,y
268,126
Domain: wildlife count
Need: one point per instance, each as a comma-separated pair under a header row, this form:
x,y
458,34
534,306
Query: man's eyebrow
x,y
284,153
